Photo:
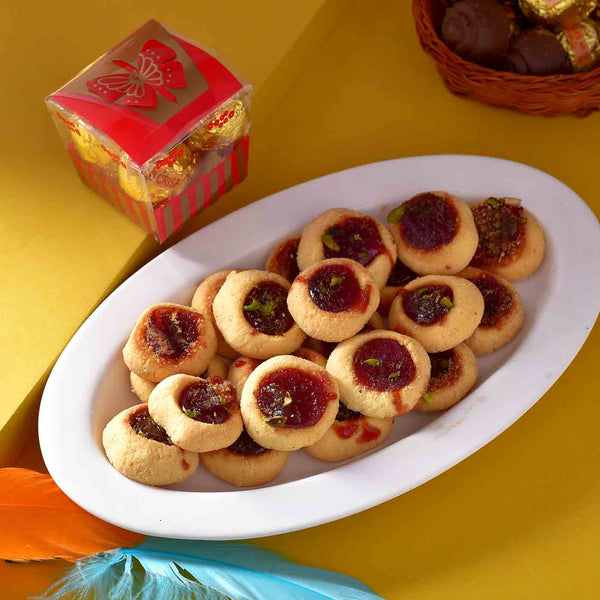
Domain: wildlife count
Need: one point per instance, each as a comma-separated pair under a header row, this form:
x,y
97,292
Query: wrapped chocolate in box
x,y
158,126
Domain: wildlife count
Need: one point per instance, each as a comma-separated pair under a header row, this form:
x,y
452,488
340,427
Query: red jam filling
x,y
246,446
400,275
496,297
346,429
335,288
265,308
428,304
293,398
172,332
357,238
428,222
208,400
501,229
287,259
143,424
369,433
384,365
445,370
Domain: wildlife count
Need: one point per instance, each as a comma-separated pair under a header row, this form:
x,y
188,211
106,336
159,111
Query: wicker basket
x,y
577,94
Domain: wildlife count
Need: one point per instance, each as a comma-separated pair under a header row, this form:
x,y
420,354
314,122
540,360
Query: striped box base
x,y
163,221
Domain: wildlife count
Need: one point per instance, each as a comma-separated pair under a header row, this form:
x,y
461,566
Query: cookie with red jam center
x,y
434,233
503,314
198,414
245,463
399,277
345,233
251,312
439,311
453,375
511,241
140,449
381,374
283,259
333,300
289,403
352,434
168,339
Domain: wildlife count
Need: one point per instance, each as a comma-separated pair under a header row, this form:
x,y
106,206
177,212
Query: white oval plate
x,y
89,383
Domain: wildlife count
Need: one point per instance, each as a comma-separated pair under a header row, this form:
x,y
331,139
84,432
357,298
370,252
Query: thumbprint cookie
x,y
438,311
511,241
198,415
289,403
332,300
453,375
283,259
239,371
435,233
344,233
380,374
399,277
203,301
140,449
245,463
311,355
168,339
142,388
352,434
252,313
503,315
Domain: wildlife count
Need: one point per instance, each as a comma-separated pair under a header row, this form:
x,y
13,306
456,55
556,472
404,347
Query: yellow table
x,y
519,519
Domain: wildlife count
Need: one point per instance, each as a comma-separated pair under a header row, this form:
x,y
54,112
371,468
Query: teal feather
x,y
162,569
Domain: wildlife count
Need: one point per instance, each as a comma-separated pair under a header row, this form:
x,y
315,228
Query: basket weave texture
x,y
577,93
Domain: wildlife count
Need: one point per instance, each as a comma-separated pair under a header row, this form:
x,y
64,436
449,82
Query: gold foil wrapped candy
x,y
582,43
557,12
170,172
223,128
89,147
131,180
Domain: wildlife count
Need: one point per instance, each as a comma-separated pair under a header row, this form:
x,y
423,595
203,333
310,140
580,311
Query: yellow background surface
x,y
520,518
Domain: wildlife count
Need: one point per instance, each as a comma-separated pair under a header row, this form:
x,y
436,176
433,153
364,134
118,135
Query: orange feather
x,y
38,522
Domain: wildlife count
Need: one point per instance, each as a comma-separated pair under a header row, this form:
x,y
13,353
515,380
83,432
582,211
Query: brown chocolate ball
x,y
537,52
477,30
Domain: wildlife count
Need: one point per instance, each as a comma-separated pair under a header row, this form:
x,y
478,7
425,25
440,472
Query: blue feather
x,y
162,569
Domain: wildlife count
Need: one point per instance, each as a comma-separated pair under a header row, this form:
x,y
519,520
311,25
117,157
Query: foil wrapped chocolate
x,y
88,146
477,30
581,42
557,12
537,52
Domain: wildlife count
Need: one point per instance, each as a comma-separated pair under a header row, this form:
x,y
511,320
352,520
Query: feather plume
x,y
39,522
161,569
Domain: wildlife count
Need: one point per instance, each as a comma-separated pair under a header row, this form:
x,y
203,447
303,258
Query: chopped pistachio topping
x,y
335,281
253,306
287,399
395,215
493,202
446,302
192,414
268,308
444,363
276,421
355,237
422,291
330,242
523,220
362,254
372,362
393,375
427,397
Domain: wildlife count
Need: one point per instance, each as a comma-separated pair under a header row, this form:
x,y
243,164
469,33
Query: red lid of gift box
x,y
148,91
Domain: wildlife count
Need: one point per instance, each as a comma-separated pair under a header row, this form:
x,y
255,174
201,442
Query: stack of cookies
x,y
300,355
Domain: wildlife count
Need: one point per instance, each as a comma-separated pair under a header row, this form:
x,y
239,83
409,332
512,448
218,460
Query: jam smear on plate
x,y
428,304
501,229
291,397
497,299
208,400
246,446
428,221
383,364
172,332
335,288
143,424
357,238
265,308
